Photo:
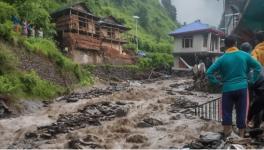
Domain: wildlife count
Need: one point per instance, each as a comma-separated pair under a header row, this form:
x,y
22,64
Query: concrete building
x,y
196,42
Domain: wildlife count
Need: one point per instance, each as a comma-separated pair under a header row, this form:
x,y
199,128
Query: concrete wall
x,y
197,44
89,57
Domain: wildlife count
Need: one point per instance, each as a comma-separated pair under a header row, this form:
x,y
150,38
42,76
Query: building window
x,y
205,40
187,42
82,22
109,33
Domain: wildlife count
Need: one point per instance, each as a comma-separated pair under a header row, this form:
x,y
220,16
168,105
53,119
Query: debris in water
x,y
207,140
4,110
137,139
149,122
96,92
90,115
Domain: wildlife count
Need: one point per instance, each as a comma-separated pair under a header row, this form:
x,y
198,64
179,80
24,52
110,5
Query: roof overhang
x,y
214,31
63,11
105,24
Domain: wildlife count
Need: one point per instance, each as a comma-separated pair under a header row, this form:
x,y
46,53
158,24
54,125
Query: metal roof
x,y
196,26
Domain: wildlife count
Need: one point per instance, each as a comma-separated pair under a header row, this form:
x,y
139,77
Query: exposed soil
x,y
133,114
46,68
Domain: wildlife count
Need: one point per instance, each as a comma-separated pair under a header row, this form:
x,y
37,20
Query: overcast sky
x,y
208,11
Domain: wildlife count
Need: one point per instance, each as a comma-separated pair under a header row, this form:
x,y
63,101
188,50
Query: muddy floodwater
x,y
132,114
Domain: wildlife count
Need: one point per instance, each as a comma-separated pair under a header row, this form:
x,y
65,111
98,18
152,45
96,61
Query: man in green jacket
x,y
233,67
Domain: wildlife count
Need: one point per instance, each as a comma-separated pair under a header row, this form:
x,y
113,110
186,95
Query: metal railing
x,y
210,110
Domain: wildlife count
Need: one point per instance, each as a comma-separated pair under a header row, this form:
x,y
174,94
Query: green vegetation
x,y
154,22
48,48
156,61
154,25
14,83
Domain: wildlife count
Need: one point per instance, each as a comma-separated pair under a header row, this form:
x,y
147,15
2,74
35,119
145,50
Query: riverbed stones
x,y
90,115
80,144
149,122
153,122
31,135
207,140
176,117
137,138
93,93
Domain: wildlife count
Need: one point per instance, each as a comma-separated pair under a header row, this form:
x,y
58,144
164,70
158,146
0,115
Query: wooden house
x,y
86,38
112,35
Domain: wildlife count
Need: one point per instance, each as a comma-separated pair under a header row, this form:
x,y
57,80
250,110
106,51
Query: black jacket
x,y
258,87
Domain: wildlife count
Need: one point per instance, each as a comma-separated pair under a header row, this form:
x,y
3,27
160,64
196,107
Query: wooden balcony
x,y
83,42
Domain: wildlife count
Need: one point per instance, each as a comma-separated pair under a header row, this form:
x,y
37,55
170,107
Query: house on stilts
x,y
196,42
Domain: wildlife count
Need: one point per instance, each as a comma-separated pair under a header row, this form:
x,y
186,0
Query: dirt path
x,y
138,115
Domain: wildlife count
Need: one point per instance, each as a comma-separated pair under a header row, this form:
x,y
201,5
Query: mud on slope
x,y
46,68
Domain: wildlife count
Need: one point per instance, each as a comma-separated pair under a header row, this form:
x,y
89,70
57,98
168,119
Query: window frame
x,y
187,42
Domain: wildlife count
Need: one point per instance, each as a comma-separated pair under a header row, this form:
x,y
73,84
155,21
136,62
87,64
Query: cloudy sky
x,y
208,11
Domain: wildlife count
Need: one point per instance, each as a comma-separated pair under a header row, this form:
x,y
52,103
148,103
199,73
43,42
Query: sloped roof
x,y
194,27
80,7
112,21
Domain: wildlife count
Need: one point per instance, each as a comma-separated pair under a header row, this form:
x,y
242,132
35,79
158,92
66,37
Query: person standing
x,y
258,52
233,67
16,23
257,92
25,28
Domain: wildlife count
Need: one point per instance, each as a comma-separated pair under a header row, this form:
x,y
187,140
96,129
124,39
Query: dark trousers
x,y
256,111
239,99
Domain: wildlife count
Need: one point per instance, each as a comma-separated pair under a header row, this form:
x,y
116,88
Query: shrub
x,y
36,87
9,85
7,60
6,30
156,61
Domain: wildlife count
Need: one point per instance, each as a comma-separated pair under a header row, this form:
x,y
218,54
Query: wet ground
x,y
149,114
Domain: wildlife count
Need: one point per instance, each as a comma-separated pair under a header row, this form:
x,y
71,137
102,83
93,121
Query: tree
x,y
6,12
172,11
143,14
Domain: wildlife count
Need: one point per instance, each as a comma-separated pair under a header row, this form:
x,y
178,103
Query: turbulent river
x,y
113,115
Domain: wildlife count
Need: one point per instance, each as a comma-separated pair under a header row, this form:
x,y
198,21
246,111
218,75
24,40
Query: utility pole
x,y
136,18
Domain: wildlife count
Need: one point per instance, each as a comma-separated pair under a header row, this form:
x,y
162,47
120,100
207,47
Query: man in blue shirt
x,y
233,67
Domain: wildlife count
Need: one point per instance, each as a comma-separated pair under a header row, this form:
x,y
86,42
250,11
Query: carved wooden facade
x,y
89,38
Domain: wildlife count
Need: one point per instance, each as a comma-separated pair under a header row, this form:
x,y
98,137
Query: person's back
x,y
234,67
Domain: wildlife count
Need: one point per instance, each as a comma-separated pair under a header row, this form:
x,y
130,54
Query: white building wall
x,y
197,44
198,41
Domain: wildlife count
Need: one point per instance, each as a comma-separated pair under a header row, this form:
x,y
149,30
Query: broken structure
x,y
196,42
87,38
247,16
